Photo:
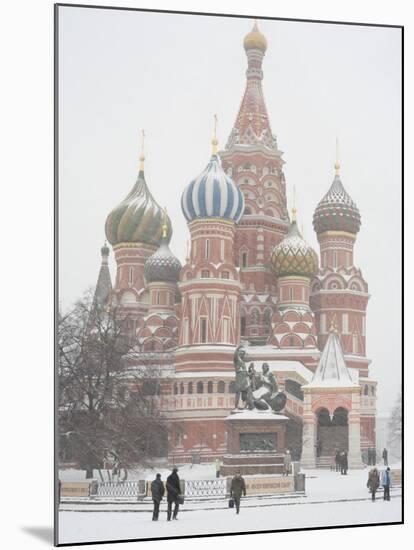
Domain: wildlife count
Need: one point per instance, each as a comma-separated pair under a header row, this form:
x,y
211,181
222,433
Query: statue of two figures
x,y
256,390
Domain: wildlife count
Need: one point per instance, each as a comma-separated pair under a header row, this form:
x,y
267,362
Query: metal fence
x,y
126,489
205,488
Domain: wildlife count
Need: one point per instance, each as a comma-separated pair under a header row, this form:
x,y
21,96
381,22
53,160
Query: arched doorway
x,y
332,433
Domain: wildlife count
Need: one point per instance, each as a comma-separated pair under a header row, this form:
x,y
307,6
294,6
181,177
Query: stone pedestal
x,y
255,443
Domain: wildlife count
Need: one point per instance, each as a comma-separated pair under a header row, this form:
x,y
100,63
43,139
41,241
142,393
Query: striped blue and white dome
x,y
212,194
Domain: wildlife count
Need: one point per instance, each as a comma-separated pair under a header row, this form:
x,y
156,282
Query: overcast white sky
x,y
121,71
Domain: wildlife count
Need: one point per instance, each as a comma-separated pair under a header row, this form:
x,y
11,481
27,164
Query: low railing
x,y
125,489
205,488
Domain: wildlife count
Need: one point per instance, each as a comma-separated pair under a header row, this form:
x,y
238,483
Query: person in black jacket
x,y
157,492
173,492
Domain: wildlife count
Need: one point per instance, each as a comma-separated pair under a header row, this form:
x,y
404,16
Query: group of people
x,y
173,495
375,479
340,462
371,456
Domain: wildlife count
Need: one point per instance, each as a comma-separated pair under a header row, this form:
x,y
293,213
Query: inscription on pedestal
x,y
251,442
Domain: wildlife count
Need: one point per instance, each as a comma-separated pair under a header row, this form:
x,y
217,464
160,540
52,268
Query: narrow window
x,y
210,387
131,275
243,326
207,249
190,387
203,330
200,387
222,249
225,330
244,259
335,258
221,387
290,293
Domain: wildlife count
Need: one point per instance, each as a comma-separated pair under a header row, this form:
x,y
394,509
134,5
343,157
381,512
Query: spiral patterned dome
x,y
337,211
138,218
212,194
255,40
293,256
162,266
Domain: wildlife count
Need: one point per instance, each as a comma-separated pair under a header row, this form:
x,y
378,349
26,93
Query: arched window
x,y
232,387
372,390
267,317
244,259
175,388
210,387
221,387
365,389
255,317
243,325
200,387
190,387
207,249
181,388
131,275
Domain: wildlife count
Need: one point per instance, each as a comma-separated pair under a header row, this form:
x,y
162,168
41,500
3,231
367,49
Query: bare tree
x,y
106,404
395,429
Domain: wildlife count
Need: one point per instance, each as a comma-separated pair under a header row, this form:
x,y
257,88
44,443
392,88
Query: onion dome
x,y
337,211
255,40
138,218
212,194
293,256
162,266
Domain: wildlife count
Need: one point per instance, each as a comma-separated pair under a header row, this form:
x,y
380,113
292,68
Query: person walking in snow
x,y
237,489
173,493
217,464
373,482
385,456
157,492
386,482
287,461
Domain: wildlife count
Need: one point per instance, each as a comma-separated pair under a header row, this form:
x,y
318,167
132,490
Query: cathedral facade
x,y
249,278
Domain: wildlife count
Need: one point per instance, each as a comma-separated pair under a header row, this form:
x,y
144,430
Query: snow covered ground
x,y
331,499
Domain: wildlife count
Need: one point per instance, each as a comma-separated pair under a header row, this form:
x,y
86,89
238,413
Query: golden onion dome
x,y
255,40
293,256
138,218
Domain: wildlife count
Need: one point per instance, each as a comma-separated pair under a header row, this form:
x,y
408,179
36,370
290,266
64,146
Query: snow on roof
x,y
255,415
332,371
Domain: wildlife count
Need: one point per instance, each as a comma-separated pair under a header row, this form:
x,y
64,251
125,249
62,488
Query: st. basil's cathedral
x,y
249,278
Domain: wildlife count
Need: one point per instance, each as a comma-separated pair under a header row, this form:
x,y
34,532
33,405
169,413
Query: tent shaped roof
x,y
332,370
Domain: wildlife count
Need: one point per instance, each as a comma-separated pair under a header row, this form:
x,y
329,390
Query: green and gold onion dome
x,y
255,40
293,256
163,266
337,211
138,218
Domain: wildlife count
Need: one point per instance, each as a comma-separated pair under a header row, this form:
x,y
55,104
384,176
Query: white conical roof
x,y
332,370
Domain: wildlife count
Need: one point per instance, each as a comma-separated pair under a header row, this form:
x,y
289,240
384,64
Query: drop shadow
x,y
43,533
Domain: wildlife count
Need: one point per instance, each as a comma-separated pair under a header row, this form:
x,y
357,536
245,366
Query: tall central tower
x,y
253,160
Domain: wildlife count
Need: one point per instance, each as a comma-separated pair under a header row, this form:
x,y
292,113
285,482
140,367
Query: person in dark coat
x,y
385,456
373,482
173,492
237,489
157,492
344,463
337,460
